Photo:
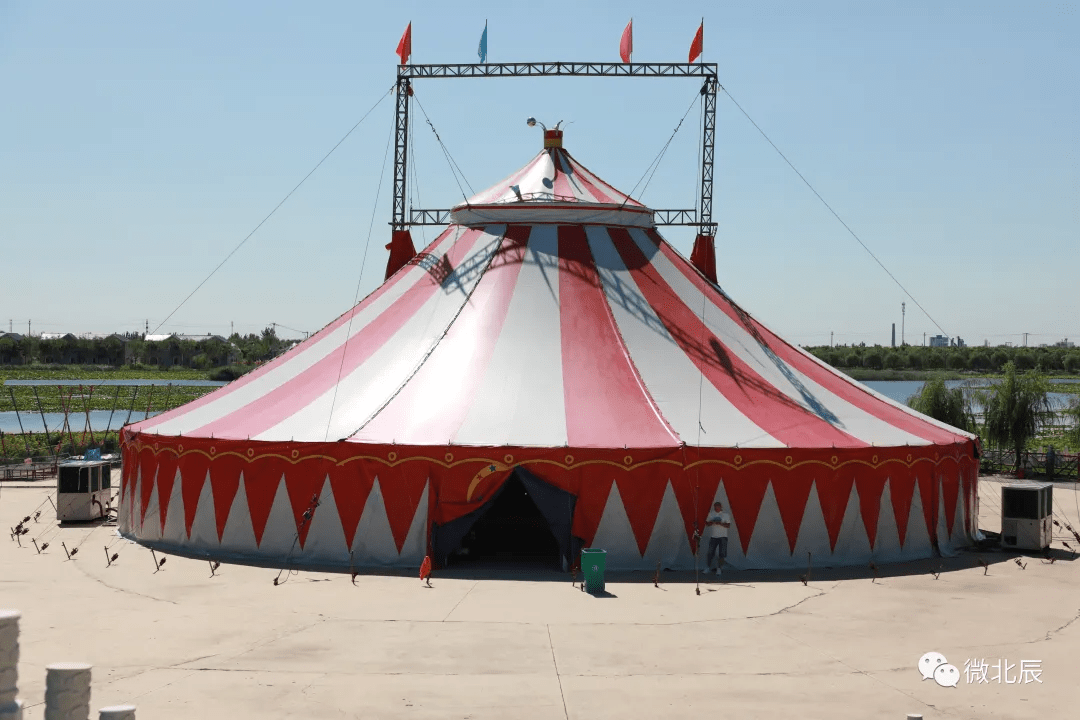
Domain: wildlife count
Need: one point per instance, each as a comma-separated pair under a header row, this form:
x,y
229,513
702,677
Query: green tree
x,y
980,360
896,360
1016,408
998,360
1023,360
956,361
1072,434
1071,363
872,358
939,402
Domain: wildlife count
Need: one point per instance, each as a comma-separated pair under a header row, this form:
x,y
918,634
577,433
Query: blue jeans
x,y
717,545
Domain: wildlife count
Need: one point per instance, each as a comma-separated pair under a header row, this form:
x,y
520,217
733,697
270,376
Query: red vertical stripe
x,y
276,362
561,184
606,402
752,395
870,488
792,491
491,299
844,389
299,391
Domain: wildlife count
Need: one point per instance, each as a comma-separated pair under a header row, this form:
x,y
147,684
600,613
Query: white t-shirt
x,y
717,531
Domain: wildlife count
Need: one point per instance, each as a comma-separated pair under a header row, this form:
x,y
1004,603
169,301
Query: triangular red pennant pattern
x,y
351,484
592,498
695,492
402,488
261,486
642,492
224,483
303,483
833,494
928,494
148,467
193,469
745,491
870,488
166,475
901,488
950,490
792,491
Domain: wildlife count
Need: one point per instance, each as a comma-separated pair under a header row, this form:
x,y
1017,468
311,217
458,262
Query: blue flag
x,y
482,50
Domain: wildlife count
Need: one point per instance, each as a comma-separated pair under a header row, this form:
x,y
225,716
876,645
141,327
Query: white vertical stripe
x,y
672,378
799,388
361,393
295,363
520,400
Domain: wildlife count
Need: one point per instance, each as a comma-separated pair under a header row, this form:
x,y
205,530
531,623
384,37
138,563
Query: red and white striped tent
x,y
549,328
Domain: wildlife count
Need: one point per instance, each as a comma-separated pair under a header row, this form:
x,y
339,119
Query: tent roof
x,y
546,331
552,181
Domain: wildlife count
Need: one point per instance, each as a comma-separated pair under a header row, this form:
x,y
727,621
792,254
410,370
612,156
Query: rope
x,y
276,207
454,168
834,213
655,164
356,295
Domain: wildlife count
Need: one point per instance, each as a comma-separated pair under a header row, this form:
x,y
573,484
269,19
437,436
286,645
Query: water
x,y
901,390
99,420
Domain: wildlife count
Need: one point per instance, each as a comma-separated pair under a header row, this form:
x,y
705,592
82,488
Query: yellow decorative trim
x,y
392,460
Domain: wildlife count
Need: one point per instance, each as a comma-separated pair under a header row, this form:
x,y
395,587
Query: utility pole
x,y
924,339
830,338
903,315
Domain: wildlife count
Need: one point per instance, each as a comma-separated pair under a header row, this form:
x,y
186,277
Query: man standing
x,y
716,528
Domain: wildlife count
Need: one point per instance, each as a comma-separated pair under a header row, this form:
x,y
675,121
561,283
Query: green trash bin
x,y
593,561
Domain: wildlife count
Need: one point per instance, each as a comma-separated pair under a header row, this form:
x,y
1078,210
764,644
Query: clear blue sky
x,y
140,142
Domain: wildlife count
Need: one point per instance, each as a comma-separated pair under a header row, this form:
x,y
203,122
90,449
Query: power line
x,y
271,213
829,207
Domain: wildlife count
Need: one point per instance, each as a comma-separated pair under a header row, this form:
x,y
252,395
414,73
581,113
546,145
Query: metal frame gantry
x,y
701,217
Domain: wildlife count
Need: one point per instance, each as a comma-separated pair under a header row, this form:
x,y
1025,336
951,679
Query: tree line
x,y
976,359
132,349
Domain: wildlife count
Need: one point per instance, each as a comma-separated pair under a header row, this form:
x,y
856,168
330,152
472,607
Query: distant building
x,y
1066,343
939,341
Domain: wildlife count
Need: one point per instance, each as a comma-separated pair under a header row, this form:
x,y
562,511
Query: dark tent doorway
x,y
525,524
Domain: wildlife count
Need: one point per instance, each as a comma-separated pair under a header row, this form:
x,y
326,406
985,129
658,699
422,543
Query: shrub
x,y
1016,408
941,403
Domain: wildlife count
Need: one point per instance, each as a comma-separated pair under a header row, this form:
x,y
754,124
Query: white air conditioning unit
x,y
83,490
1027,515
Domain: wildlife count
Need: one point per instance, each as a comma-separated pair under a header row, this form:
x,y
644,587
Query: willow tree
x,y
939,402
1016,408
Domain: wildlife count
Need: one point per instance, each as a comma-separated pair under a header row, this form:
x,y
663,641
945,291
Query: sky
x,y
140,143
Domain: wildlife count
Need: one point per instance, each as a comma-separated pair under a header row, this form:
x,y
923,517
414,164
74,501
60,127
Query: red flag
x,y
696,45
626,45
425,568
404,46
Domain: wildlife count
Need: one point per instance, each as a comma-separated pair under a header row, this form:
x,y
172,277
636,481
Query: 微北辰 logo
x,y
934,666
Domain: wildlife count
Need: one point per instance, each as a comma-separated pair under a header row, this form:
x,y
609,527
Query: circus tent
x,y
550,334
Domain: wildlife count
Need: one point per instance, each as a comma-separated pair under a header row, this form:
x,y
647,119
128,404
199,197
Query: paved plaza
x,y
181,644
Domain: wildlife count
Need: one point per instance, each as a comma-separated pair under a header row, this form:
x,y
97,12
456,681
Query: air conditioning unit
x,y
1027,515
83,490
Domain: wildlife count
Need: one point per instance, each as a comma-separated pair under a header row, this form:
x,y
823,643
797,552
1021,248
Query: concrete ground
x,y
179,643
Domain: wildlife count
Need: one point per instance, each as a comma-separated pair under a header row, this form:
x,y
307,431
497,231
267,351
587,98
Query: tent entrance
x,y
525,524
